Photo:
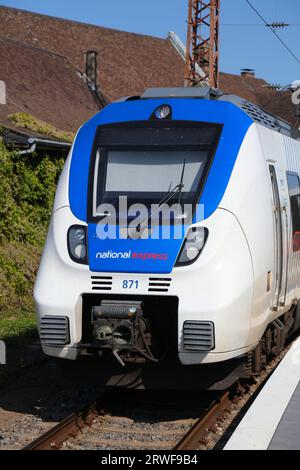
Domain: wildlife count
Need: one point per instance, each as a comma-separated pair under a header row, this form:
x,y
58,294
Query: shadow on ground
x,y
51,389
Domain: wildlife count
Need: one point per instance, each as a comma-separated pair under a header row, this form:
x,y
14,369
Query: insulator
x,y
278,24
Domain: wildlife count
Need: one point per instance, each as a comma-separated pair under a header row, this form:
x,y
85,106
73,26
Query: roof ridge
x,y
246,79
32,46
89,25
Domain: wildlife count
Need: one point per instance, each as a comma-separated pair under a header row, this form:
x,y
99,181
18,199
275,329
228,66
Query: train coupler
x,y
120,326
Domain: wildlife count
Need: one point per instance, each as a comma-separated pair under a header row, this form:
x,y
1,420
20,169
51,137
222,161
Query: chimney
x,y
248,73
91,66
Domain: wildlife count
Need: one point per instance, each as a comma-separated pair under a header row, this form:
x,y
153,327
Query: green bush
x,y
27,188
18,267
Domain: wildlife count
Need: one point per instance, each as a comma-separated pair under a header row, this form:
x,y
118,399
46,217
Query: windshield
x,y
146,169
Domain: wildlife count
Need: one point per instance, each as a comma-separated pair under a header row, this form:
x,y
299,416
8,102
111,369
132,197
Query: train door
x,y
280,217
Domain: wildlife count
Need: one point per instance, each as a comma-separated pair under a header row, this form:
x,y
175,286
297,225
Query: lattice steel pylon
x,y
202,51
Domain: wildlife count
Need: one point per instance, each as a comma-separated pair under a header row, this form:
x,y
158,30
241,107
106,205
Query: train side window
x,y
294,192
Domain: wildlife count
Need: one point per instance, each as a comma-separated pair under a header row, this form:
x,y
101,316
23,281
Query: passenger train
x,y
221,295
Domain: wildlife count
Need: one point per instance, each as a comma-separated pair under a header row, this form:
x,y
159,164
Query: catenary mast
x,y
203,43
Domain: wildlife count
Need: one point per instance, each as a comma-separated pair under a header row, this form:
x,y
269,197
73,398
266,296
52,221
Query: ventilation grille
x,y
258,115
159,284
101,282
54,330
198,335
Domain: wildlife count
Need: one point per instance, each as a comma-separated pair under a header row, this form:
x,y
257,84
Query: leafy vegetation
x,y
17,326
27,121
27,190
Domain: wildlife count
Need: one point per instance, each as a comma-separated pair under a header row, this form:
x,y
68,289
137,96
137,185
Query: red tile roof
x,y
44,85
257,91
128,64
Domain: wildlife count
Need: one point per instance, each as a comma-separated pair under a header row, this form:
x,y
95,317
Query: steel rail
x,y
71,425
68,427
194,437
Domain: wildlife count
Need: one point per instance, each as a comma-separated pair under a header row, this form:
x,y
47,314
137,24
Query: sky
x,y
244,41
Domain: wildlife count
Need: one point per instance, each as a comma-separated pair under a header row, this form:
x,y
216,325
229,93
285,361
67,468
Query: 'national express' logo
x,y
131,255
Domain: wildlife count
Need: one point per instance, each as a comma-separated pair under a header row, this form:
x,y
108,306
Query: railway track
x,y
123,419
103,425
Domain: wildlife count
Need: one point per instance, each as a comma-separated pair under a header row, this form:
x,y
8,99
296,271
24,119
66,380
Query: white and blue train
x,y
226,291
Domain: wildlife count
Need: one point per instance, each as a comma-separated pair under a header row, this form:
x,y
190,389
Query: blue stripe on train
x,y
127,255
235,122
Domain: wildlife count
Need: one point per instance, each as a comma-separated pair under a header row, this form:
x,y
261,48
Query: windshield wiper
x,y
177,189
181,182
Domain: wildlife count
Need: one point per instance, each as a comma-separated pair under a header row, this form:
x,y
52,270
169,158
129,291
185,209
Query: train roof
x,y
256,113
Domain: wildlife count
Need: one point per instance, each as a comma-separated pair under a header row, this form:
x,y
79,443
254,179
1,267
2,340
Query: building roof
x,y
31,141
44,85
128,64
256,90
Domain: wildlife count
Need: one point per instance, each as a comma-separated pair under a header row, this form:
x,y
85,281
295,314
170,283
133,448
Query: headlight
x,y
77,244
162,112
192,245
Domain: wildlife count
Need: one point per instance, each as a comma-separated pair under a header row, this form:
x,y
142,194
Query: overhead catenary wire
x,y
259,25
274,32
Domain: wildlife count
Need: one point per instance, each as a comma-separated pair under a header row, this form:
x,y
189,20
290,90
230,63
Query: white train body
x,y
246,276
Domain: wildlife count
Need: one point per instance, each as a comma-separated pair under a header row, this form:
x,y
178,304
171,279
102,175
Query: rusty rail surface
x,y
192,440
194,437
69,426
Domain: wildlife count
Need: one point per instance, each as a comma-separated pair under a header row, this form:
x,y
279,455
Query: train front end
x,y
140,259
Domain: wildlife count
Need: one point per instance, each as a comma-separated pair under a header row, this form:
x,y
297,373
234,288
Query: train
x,y
174,241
